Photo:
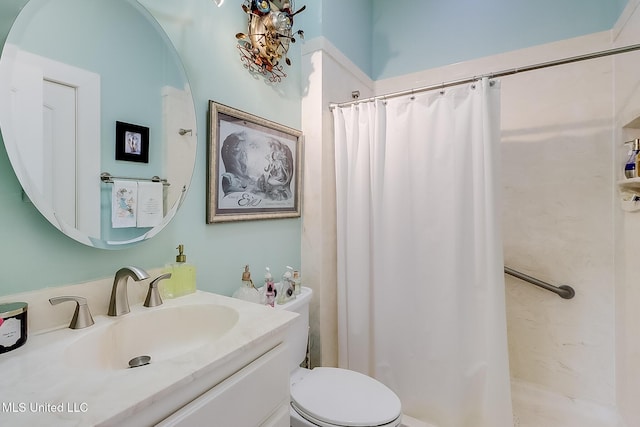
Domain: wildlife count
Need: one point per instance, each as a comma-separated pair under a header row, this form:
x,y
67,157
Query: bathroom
x,y
561,148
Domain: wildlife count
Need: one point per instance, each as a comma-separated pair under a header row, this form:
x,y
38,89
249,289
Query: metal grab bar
x,y
564,291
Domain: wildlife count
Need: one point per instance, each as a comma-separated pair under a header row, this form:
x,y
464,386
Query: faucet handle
x,y
153,295
82,316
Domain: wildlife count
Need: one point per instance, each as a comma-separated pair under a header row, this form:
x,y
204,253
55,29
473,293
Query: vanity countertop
x,y
40,387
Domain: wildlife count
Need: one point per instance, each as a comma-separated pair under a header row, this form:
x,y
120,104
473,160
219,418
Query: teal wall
x,y
383,38
413,35
347,24
34,254
391,38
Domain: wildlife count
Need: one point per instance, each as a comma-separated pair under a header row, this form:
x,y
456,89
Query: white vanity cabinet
x,y
230,369
256,395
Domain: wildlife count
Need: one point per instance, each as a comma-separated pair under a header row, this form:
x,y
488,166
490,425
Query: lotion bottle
x,y
183,277
269,288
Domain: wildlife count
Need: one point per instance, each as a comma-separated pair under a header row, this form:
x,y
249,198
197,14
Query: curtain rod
x,y
594,55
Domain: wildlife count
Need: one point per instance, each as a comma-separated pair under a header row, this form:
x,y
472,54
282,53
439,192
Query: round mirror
x,y
97,117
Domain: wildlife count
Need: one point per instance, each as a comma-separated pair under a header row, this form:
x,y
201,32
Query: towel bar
x,y
107,178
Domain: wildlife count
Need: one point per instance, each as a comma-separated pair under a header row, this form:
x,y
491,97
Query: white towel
x,y
150,211
124,202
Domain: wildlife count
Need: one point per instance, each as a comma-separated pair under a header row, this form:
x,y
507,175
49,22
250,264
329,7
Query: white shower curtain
x,y
420,269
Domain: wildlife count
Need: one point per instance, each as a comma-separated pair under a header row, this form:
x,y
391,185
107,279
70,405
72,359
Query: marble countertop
x,y
40,387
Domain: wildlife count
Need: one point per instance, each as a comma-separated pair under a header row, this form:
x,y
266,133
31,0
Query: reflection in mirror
x,y
69,71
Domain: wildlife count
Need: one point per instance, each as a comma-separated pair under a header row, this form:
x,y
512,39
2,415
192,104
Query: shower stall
x,y
573,362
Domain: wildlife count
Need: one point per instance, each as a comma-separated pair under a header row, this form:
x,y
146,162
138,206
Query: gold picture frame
x,y
254,167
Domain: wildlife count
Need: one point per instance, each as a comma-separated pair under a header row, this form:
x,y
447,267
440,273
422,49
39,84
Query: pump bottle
x,y
183,277
269,288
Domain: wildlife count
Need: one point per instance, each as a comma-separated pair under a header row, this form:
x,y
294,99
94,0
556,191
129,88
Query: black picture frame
x,y
132,142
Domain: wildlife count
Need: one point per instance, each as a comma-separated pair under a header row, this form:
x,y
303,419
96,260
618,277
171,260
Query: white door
x,y
56,123
59,131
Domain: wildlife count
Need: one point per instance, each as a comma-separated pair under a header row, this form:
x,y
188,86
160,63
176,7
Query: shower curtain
x,y
421,301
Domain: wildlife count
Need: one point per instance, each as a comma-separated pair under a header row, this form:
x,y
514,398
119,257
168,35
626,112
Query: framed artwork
x,y
132,142
253,167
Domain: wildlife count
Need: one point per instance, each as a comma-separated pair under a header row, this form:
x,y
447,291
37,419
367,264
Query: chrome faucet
x,y
81,316
119,302
153,294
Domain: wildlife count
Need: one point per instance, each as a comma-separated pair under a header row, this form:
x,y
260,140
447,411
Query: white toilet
x,y
332,397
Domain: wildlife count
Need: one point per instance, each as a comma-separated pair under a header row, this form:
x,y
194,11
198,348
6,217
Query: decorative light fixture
x,y
270,31
218,2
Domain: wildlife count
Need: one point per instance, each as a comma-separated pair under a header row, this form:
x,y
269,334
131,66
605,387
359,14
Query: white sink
x,y
82,376
161,333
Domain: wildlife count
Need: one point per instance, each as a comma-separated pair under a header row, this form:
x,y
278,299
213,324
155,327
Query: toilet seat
x,y
331,397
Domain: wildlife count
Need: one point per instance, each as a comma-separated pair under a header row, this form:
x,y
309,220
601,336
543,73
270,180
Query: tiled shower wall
x,y
627,113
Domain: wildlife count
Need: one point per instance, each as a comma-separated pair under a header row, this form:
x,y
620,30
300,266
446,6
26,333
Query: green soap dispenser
x,y
183,277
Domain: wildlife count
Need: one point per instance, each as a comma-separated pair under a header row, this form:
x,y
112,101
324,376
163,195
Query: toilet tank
x,y
298,332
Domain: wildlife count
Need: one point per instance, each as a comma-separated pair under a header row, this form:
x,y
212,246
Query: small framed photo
x,y
253,167
132,142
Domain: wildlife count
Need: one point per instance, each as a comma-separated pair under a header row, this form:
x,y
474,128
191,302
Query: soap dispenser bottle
x,y
269,288
287,291
247,290
630,168
183,277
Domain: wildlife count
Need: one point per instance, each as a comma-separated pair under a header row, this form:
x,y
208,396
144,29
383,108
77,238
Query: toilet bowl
x,y
332,397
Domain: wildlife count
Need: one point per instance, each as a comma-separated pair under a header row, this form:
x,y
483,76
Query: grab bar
x,y
564,291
